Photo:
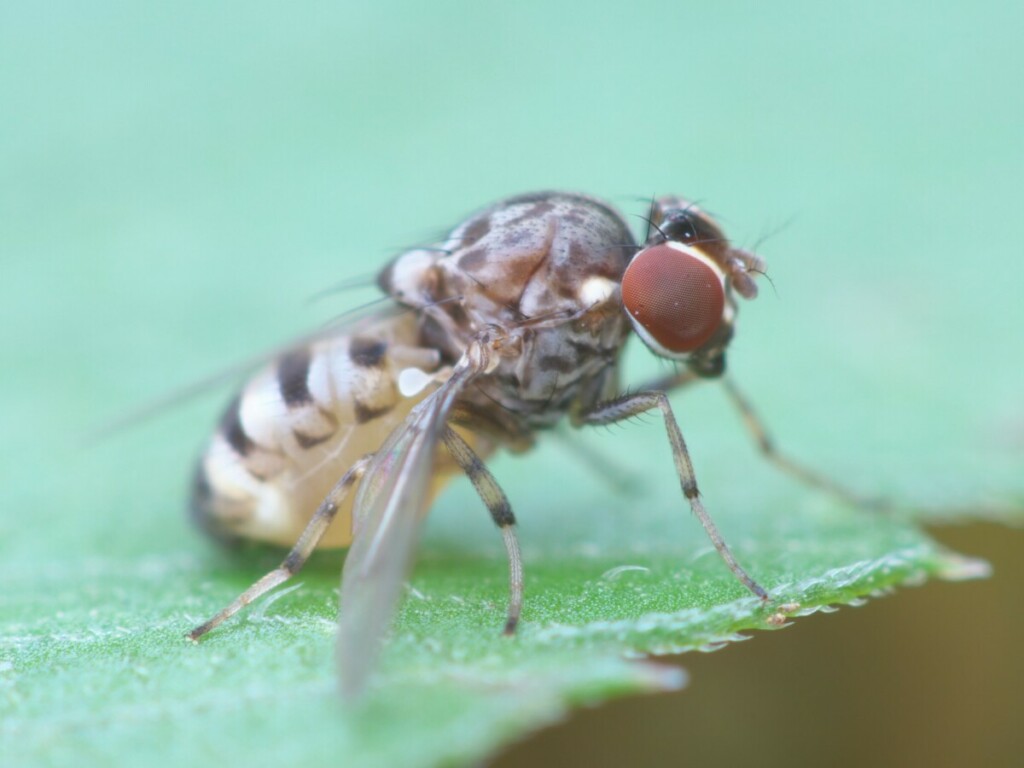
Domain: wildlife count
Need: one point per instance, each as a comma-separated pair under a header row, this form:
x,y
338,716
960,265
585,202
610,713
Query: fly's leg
x,y
825,483
299,554
765,444
501,512
628,406
803,473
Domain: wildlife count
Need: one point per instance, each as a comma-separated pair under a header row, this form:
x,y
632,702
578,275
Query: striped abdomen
x,y
297,426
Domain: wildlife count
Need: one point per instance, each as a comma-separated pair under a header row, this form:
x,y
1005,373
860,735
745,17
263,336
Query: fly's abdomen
x,y
297,426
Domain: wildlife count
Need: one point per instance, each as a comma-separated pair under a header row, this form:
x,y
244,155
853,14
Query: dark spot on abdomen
x,y
365,412
232,429
367,353
292,377
309,441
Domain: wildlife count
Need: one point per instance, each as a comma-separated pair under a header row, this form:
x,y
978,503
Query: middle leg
x,y
501,512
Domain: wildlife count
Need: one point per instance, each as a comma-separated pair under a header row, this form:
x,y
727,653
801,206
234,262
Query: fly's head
x,y
678,290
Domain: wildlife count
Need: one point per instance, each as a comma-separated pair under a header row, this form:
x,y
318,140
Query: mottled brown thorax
x,y
545,267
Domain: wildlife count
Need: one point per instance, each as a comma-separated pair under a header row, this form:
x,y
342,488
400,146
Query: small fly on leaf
x,y
514,323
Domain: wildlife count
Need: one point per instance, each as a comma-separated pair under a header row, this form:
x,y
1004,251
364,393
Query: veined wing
x,y
389,508
380,309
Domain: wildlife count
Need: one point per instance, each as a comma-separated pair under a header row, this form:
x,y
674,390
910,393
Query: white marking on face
x,y
698,254
652,342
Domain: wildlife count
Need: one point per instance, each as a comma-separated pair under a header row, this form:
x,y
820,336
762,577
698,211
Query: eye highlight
x,y
674,296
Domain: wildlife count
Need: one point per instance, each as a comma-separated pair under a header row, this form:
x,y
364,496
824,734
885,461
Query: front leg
x,y
627,406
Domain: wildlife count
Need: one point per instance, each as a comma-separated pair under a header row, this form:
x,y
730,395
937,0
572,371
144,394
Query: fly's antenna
x,y
761,240
767,277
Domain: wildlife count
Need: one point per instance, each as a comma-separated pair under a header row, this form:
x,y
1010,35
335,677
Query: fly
x,y
514,323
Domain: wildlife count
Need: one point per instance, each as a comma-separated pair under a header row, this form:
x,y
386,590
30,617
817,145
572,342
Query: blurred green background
x,y
175,180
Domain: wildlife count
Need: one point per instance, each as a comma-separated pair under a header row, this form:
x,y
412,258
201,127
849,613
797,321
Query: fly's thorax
x,y
545,267
548,268
522,258
537,255
559,370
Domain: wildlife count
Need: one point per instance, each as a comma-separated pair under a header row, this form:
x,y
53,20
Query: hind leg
x,y
299,554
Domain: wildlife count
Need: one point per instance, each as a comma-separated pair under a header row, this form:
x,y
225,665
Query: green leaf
x,y
96,667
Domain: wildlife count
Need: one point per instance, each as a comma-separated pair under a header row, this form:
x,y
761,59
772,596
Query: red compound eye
x,y
675,295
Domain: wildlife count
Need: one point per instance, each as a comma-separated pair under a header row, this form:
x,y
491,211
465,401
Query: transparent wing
x,y
389,508
379,309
